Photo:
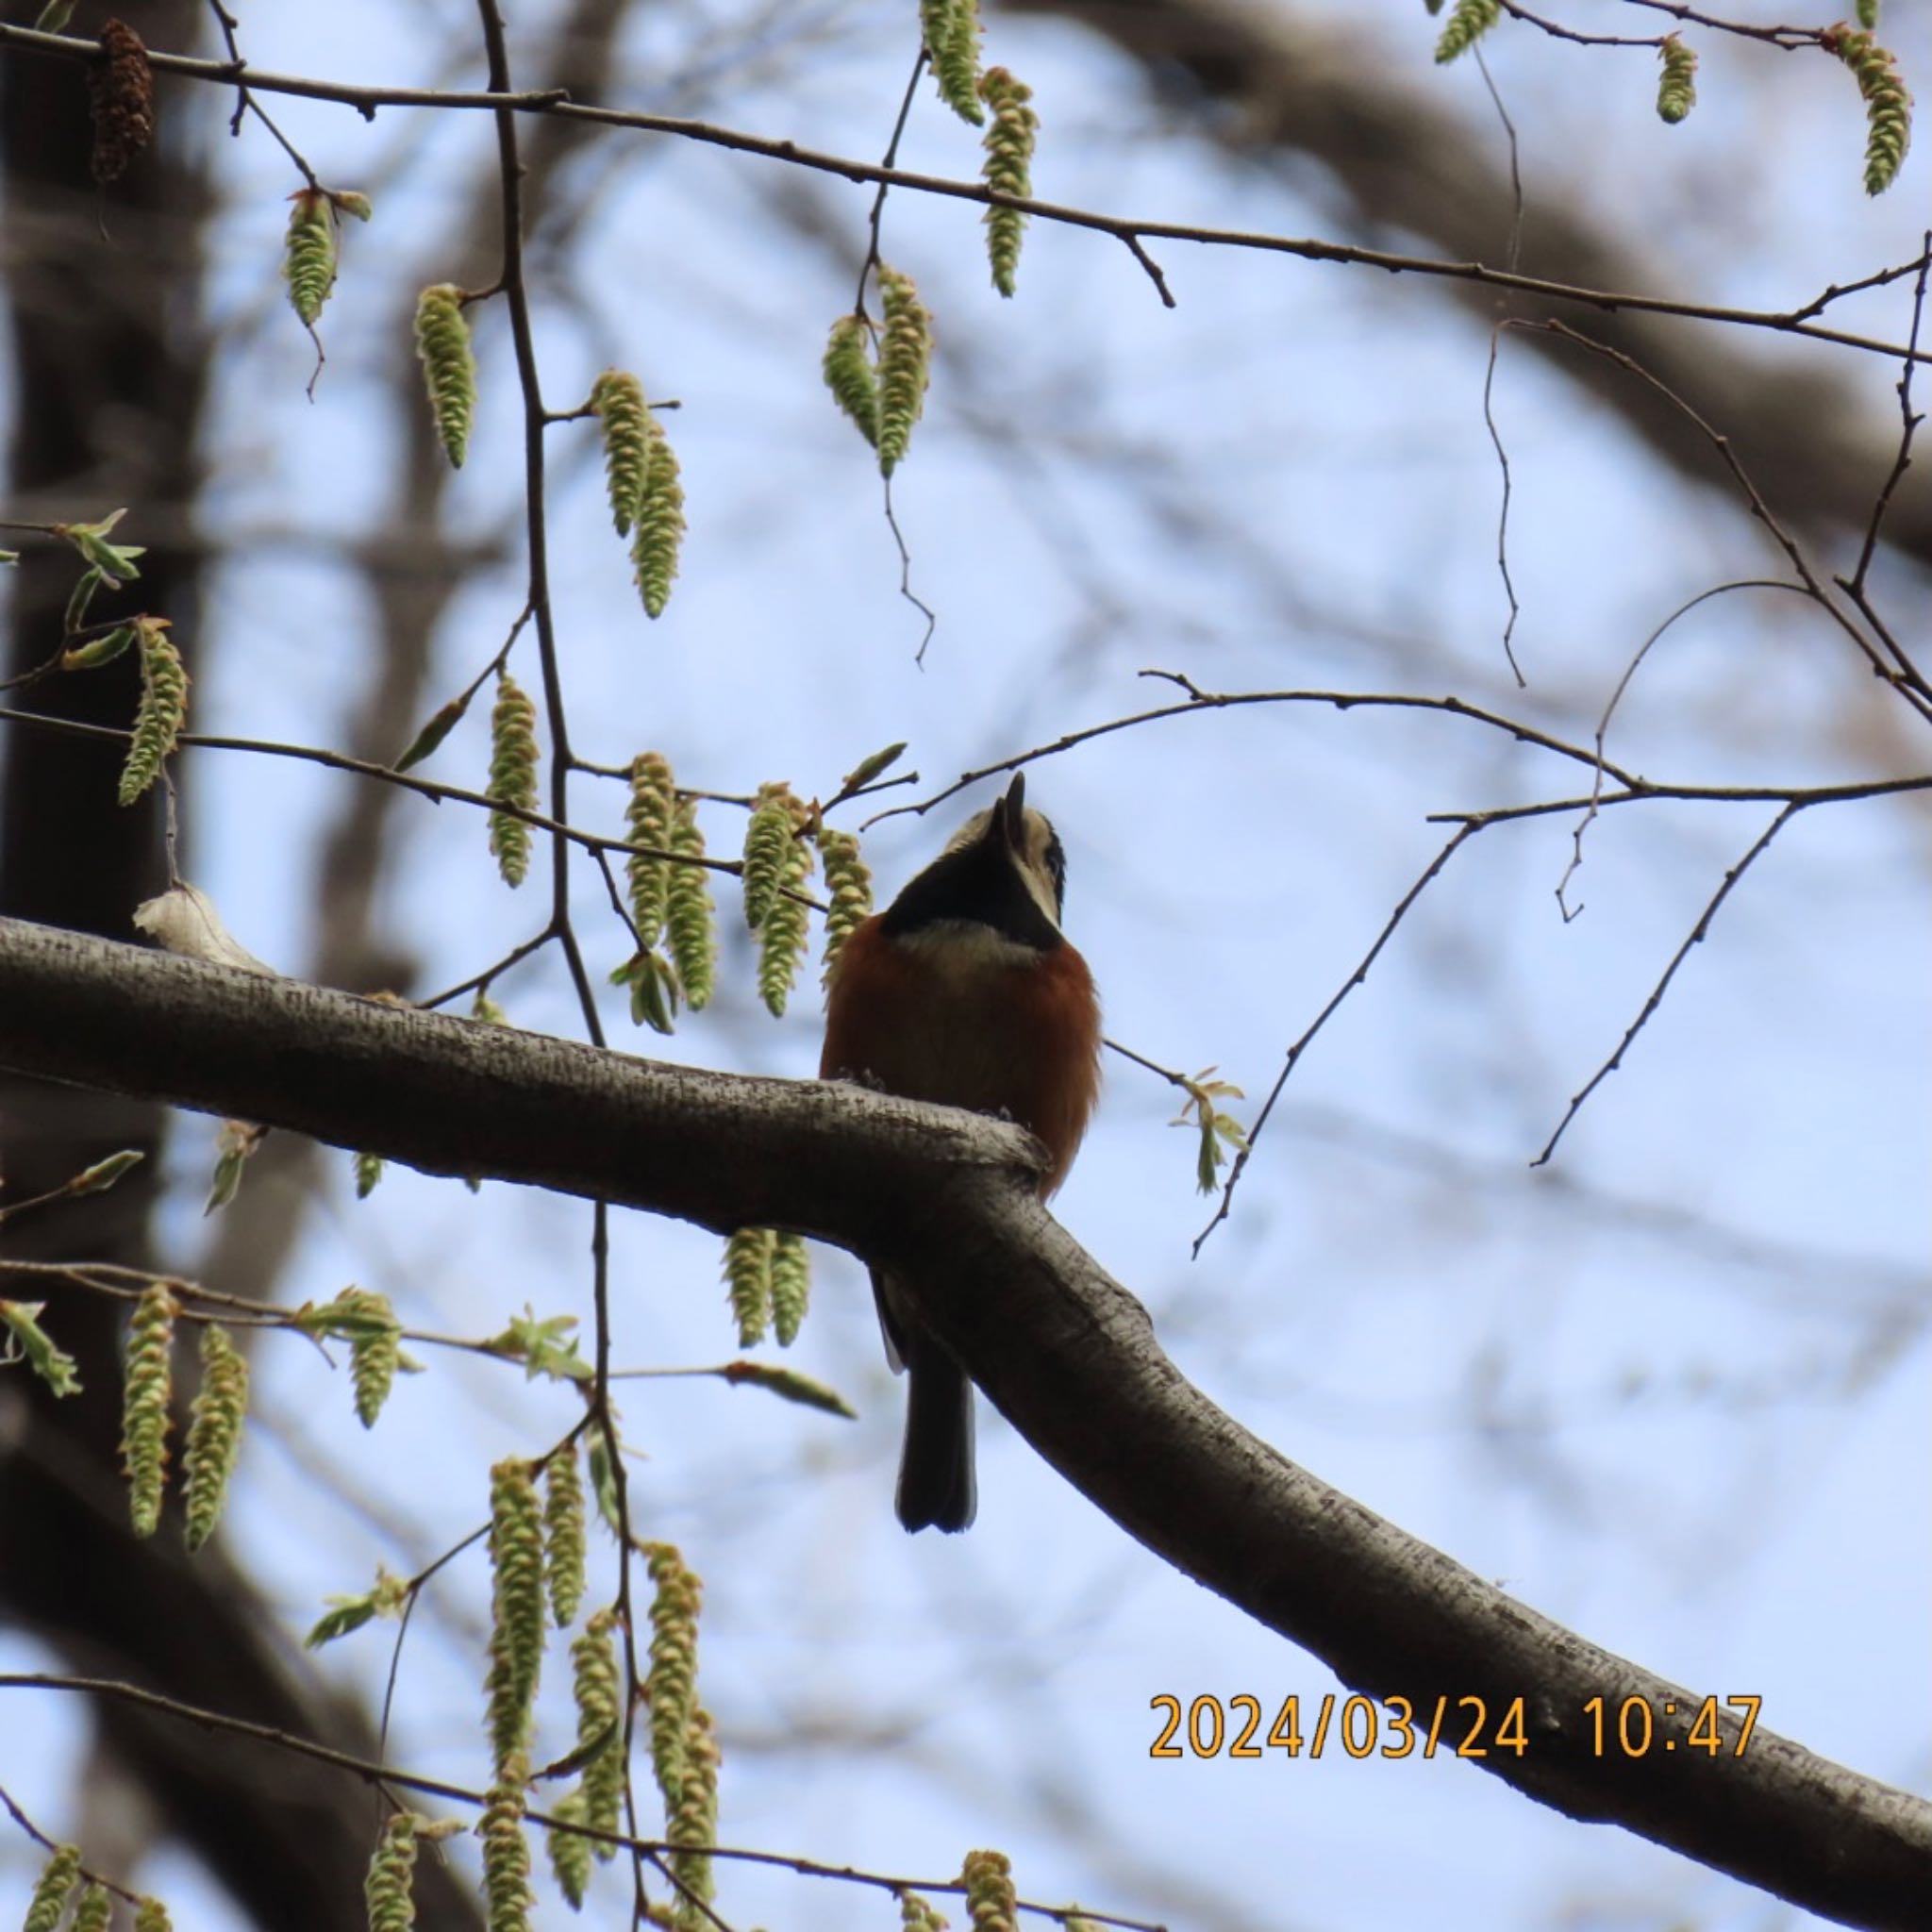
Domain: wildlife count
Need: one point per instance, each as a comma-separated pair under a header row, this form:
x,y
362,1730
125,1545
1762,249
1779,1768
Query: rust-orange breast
x,y
959,1016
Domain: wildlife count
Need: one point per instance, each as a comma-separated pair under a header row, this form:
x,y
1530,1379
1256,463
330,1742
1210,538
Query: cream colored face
x,y
1040,861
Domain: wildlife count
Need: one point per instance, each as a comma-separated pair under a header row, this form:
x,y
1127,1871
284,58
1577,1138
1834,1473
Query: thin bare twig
x,y
1435,866
1657,992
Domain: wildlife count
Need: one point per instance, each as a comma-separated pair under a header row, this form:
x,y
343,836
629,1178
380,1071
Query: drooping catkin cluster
x,y
1887,106
767,840
693,1822
516,1627
388,1886
513,776
449,365
849,375
1677,87
564,1552
848,879
95,1912
992,1902
790,1285
507,1893
670,1684
48,1900
568,1851
690,917
308,253
145,1392
214,1433
1867,11
660,532
598,1689
786,935
952,44
486,1009
121,96
903,367
919,1915
748,1282
162,710
1471,20
617,398
151,1915
1008,167
368,1320
648,818
368,1174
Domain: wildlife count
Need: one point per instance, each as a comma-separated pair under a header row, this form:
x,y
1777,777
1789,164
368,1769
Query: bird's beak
x,y
1009,821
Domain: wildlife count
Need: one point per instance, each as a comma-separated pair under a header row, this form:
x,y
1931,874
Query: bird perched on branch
x,y
964,992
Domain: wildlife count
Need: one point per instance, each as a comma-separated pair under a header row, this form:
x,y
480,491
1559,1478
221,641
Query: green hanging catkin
x,y
992,1902
308,253
162,710
376,1349
1677,87
691,918
767,840
848,879
449,365
49,1897
388,1885
1010,141
570,1850
692,1821
659,534
848,373
516,1631
597,1685
950,28
95,1912
214,1433
649,817
146,1390
618,400
505,1854
918,1914
790,1286
785,934
151,1915
748,1283
670,1684
1471,20
513,776
1887,106
905,364
563,1535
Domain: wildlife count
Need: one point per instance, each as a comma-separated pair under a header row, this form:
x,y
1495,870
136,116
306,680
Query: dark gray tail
x,y
936,1485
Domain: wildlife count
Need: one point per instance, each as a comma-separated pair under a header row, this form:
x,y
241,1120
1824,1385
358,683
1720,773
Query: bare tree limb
x,y
1067,1353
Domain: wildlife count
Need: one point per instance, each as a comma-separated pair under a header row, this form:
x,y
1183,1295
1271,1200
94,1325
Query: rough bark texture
x,y
1069,1358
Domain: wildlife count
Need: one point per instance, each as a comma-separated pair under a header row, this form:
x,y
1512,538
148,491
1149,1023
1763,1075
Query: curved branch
x,y
1069,1356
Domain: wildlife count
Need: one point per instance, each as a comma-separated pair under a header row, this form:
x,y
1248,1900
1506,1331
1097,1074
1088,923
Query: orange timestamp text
x,y
1210,1726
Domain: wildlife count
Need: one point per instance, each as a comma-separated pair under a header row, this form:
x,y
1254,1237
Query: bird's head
x,y
1003,868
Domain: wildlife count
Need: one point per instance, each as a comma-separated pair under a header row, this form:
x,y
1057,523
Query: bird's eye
x,y
1056,858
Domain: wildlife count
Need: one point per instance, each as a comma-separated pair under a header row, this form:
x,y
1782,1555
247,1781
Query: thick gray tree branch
x,y
1068,1356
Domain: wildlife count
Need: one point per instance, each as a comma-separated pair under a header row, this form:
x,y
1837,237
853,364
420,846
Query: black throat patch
x,y
982,883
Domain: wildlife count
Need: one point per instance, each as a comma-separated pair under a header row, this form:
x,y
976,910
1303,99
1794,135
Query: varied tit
x,y
964,992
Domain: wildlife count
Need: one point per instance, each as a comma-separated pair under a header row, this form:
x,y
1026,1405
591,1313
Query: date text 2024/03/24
x,y
1394,1727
